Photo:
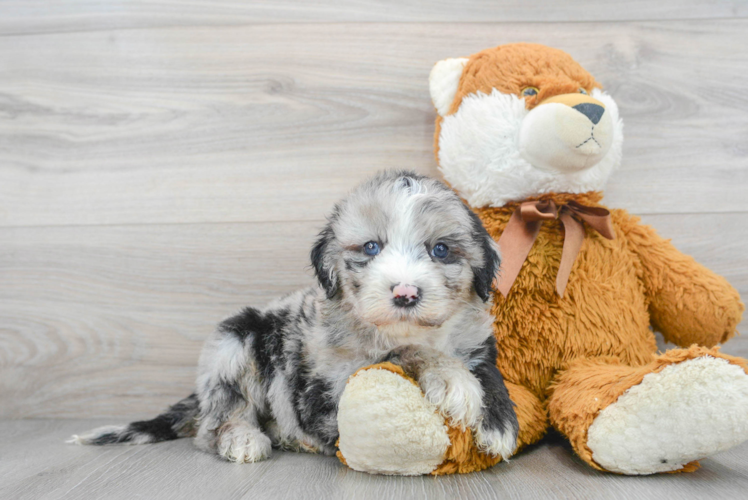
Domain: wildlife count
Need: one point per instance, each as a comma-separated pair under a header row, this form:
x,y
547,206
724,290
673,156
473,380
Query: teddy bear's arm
x,y
688,303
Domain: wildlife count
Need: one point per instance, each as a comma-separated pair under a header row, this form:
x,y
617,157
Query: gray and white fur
x,y
404,274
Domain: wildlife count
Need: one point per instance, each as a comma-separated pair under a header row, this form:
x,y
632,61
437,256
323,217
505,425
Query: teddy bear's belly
x,y
603,312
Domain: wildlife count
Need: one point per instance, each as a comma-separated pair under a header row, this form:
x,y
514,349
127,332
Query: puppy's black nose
x,y
592,111
405,295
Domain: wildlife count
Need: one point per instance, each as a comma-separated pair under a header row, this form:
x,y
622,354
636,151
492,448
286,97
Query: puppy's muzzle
x,y
405,295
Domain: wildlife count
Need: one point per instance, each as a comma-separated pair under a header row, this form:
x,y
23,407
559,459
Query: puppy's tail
x,y
177,422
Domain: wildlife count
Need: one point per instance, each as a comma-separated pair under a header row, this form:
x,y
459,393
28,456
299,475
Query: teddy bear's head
x,y
521,120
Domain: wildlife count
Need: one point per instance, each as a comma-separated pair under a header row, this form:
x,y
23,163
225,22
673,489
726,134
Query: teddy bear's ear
x,y
443,82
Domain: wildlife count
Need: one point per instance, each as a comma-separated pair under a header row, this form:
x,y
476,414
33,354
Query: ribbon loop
x,y
524,226
598,218
532,211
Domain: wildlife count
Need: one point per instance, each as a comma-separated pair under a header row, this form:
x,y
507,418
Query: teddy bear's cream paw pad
x,y
687,411
242,443
386,426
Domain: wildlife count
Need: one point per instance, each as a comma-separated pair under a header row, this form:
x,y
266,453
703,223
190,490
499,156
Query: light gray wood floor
x,y
164,163
154,179
36,464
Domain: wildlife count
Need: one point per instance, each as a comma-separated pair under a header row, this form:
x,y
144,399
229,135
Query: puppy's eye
x,y
582,91
440,250
371,248
529,92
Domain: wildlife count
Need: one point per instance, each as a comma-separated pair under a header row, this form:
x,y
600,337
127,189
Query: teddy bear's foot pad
x,y
387,426
685,412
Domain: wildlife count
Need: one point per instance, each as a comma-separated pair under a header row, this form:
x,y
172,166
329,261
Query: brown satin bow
x,y
524,226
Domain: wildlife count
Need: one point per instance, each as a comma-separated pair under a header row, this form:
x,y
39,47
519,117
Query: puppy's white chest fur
x,y
403,333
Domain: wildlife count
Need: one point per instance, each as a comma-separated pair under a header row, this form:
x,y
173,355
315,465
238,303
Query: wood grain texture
x,y
164,163
36,464
108,321
42,16
275,122
105,320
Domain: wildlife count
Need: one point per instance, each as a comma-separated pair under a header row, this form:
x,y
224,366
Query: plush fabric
x,y
668,417
613,288
486,147
616,290
586,362
510,68
387,402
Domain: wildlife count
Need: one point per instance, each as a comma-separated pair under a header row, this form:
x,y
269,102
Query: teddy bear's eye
x,y
583,91
529,91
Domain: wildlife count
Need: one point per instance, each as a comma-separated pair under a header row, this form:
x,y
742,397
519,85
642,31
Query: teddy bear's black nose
x,y
591,111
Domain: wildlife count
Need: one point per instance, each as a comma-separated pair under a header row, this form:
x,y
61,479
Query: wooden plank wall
x,y
163,164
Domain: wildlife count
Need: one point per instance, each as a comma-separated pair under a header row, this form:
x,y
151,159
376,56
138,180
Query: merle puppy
x,y
405,271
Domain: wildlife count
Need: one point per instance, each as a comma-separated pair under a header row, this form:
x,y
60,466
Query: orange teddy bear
x,y
528,138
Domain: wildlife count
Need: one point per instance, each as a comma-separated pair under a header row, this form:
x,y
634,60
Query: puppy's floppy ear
x,y
484,274
321,261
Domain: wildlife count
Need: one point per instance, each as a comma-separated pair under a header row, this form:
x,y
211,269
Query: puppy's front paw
x,y
242,443
455,392
496,441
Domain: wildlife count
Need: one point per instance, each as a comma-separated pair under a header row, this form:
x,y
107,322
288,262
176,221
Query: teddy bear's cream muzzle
x,y
566,133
